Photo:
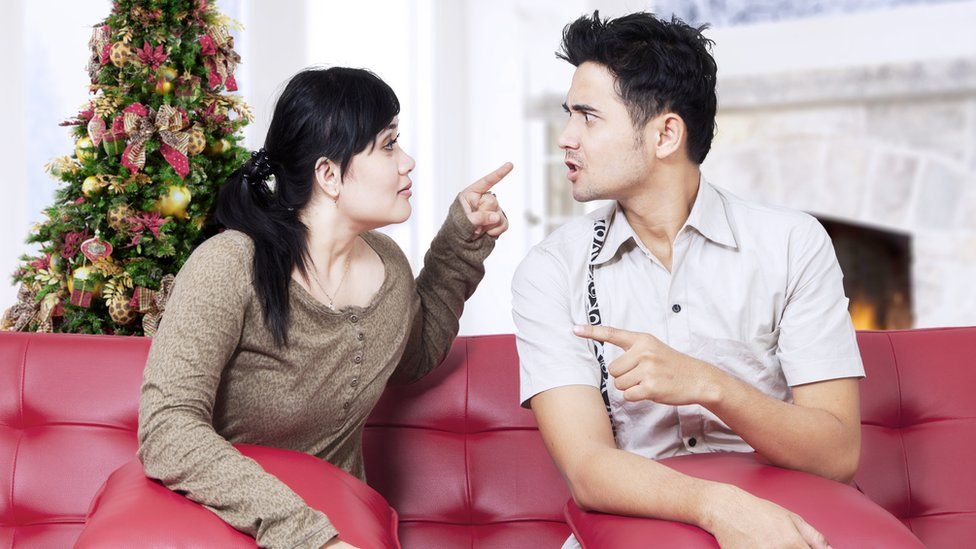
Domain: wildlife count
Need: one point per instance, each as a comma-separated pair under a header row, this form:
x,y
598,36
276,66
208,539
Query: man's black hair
x,y
660,66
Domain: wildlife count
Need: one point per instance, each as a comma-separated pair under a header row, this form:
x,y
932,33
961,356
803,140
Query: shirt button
x,y
354,318
692,442
346,406
355,382
360,336
358,359
676,308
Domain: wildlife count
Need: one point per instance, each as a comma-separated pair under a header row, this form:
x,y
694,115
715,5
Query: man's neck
x,y
661,208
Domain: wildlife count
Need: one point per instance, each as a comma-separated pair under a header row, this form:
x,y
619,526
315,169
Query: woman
x,y
283,330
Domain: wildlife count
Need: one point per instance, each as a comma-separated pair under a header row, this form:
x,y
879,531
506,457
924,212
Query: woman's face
x,y
375,191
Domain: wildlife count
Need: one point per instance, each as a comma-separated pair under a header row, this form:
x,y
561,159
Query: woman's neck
x,y
332,239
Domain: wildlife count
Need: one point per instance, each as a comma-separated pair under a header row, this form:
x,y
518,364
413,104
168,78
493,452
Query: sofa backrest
x,y
918,429
68,413
454,454
460,461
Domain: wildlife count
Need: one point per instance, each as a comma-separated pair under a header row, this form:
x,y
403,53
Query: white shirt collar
x,y
708,216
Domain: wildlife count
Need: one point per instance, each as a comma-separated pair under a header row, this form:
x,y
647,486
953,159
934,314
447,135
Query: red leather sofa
x,y
456,457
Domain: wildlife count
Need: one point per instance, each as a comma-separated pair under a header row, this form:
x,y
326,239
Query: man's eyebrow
x,y
580,107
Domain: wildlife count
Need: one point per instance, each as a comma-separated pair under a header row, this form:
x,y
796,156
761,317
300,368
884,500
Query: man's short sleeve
x,y
550,355
817,341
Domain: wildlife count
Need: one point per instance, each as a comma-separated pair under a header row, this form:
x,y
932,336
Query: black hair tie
x,y
257,168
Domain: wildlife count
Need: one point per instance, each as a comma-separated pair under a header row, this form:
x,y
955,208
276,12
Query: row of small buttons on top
x,y
358,359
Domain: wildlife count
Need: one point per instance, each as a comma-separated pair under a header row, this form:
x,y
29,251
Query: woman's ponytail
x,y
248,204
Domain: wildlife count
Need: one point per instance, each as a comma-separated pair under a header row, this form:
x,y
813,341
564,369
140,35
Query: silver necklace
x,y
318,282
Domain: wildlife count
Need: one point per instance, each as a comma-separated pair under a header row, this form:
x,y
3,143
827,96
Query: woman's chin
x,y
403,212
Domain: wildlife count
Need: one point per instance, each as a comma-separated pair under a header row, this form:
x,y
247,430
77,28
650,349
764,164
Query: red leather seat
x,y
844,516
457,458
461,462
131,510
918,418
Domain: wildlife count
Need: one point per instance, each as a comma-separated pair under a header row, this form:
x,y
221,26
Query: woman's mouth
x,y
406,191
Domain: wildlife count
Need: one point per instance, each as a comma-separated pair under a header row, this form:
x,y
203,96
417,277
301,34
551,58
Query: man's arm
x,y
819,433
601,477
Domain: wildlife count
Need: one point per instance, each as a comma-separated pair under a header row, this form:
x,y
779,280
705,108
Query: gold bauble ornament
x,y
86,272
120,54
218,147
84,149
167,73
174,202
121,312
197,141
55,263
92,185
117,217
164,87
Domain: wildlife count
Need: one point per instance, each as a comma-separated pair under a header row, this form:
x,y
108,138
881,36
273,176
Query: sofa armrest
x,y
843,515
132,510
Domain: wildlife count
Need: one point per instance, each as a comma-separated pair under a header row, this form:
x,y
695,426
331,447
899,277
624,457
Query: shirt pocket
x,y
753,361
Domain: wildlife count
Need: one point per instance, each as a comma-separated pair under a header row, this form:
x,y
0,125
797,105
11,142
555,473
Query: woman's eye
x,y
389,146
586,116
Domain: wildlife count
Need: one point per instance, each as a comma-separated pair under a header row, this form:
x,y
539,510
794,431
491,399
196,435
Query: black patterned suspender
x,y
593,314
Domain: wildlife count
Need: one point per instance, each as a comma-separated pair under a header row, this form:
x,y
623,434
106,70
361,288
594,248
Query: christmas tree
x,y
153,144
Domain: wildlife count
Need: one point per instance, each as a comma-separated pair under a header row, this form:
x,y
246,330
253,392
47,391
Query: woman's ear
x,y
328,178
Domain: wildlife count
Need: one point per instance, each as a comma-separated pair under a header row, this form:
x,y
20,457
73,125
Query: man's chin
x,y
584,194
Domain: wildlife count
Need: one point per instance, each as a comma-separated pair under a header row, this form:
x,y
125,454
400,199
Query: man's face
x,y
605,155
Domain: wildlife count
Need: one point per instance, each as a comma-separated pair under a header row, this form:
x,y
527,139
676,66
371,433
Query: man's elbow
x,y
581,480
843,466
846,467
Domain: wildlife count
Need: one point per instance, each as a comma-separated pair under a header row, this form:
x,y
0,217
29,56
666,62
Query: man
x,y
679,319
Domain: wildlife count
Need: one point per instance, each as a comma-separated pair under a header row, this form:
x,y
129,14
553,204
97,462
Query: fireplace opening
x,y
877,274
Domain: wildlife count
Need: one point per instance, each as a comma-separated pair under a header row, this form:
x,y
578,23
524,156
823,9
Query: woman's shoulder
x,y
228,252
387,248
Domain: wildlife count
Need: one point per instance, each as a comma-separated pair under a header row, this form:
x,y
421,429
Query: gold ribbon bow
x,y
101,37
28,309
139,129
152,303
226,59
169,122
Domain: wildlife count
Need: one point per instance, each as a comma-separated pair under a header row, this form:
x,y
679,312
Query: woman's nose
x,y
407,164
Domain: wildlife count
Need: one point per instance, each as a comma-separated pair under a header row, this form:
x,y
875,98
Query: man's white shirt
x,y
754,290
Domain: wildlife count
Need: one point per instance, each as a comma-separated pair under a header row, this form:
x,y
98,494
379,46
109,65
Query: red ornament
x,y
95,249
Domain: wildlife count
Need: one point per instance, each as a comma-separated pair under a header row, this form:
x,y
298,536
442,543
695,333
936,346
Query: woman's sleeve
x,y
453,267
199,333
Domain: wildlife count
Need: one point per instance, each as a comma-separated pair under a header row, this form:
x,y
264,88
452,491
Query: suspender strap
x,y
593,314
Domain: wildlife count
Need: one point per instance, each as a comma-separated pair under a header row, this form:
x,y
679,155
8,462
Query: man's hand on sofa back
x,y
576,430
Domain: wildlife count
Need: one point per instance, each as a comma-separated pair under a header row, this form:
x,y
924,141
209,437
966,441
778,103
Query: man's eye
x,y
586,116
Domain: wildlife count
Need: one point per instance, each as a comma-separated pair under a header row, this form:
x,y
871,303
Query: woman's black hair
x,y
659,65
334,113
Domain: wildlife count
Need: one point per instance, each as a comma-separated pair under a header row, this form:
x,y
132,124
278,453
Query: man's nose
x,y
567,138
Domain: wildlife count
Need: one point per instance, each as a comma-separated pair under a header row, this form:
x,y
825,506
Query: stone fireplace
x,y
884,157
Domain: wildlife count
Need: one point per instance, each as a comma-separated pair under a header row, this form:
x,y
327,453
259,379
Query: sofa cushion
x,y
132,510
918,427
470,469
68,411
844,516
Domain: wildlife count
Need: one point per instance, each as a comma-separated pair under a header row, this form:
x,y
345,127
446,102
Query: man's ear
x,y
328,177
666,132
